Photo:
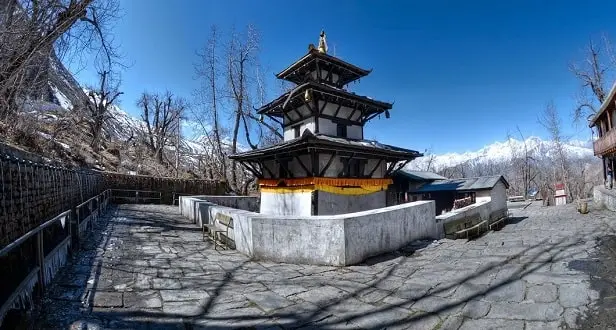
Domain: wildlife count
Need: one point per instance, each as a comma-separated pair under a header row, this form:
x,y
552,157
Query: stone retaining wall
x,y
336,240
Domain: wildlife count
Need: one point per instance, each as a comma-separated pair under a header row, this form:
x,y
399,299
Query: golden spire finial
x,y
322,43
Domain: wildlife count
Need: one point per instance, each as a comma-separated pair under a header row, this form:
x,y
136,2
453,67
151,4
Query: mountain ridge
x,y
500,151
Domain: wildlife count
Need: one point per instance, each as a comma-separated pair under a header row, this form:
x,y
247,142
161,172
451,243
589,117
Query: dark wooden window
x,y
296,131
341,130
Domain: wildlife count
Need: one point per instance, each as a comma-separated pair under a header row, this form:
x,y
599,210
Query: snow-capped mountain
x,y
502,151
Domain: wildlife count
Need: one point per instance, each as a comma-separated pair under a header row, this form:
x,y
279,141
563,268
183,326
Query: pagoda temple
x,y
324,165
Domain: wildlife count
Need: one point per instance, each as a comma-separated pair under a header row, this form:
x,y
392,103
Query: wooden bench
x,y
218,230
474,231
499,223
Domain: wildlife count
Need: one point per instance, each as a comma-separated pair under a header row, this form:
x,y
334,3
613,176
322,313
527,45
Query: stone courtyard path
x,y
150,269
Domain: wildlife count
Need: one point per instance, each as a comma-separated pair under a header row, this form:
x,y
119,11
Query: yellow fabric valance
x,y
340,186
338,182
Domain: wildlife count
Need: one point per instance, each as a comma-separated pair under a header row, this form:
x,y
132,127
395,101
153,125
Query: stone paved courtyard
x,y
150,268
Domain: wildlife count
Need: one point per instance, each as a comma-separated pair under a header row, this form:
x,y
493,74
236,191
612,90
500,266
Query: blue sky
x,y
461,73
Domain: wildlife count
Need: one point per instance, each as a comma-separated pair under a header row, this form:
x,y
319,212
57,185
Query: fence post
x,y
40,256
69,221
78,225
91,215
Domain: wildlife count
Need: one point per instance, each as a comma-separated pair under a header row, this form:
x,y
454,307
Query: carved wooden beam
x,y
390,167
286,168
303,165
314,158
329,162
378,164
353,112
338,110
263,166
249,168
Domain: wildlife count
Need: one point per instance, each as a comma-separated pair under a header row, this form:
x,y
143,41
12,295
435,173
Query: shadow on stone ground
x,y
151,270
602,270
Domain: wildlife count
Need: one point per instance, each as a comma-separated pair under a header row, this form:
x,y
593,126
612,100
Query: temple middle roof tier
x,y
319,142
315,61
296,97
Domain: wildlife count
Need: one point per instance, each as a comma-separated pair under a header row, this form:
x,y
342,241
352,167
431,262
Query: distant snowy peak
x,y
502,151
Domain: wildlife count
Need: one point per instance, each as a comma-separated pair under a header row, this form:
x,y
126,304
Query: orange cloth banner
x,y
334,182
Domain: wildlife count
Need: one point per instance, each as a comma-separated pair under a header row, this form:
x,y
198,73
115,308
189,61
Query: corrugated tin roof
x,y
464,184
420,175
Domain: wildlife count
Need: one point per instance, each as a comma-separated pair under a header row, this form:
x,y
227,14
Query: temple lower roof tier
x,y
319,142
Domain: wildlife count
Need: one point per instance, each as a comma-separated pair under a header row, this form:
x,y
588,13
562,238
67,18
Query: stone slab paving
x,y
146,267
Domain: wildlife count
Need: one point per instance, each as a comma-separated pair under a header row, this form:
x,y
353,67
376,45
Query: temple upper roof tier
x,y
297,97
323,68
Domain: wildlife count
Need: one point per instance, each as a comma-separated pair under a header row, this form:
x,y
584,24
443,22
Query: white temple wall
x,y
290,203
328,127
289,131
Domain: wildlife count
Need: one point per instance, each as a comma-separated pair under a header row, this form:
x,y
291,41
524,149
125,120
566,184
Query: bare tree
x,y
29,31
101,99
593,74
551,121
160,114
232,85
208,72
523,168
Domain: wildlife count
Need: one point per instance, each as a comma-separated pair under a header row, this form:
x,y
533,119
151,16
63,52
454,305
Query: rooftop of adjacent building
x,y
463,184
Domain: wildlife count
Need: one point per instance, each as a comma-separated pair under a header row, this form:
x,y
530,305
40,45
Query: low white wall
x,y
246,203
603,197
387,229
336,240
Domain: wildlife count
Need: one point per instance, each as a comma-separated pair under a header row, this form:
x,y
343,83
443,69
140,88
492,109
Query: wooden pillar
x,y
604,168
609,120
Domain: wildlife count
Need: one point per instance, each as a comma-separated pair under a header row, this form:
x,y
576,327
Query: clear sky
x,y
461,73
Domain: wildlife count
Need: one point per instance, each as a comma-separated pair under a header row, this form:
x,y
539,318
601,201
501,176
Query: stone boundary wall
x,y
603,197
167,186
33,189
337,240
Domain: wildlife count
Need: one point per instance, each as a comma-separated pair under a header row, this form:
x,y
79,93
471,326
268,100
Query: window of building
x,y
296,131
341,130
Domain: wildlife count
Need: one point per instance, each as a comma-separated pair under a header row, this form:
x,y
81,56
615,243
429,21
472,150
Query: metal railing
x,y
77,222
47,264
135,196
